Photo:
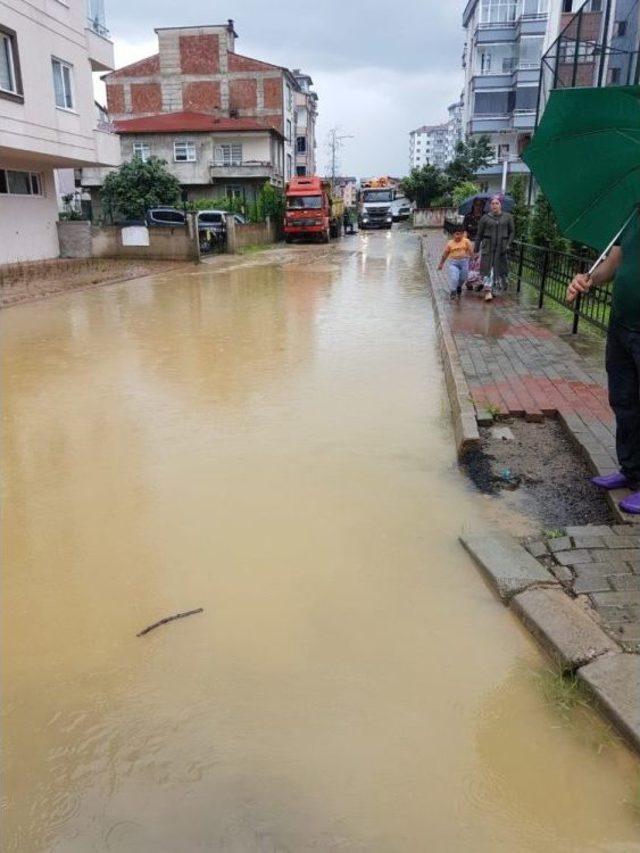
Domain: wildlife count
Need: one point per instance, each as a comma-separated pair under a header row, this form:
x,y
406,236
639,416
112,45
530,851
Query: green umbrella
x,y
585,155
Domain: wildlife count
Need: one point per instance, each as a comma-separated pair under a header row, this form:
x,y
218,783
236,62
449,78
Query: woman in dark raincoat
x,y
496,232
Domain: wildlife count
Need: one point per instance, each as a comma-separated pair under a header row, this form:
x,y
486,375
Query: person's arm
x,y
604,272
444,257
511,231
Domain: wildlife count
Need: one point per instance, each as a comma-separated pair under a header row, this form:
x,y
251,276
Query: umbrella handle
x,y
611,244
604,254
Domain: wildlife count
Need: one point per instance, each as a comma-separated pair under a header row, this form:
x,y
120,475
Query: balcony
x,y
243,169
107,146
99,47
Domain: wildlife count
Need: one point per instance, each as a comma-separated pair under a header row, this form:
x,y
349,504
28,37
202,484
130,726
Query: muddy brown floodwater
x,y
267,439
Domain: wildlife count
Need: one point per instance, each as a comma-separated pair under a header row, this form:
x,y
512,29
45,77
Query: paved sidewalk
x,y
516,365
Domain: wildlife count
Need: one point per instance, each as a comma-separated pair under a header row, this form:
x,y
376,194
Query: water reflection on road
x,y
267,439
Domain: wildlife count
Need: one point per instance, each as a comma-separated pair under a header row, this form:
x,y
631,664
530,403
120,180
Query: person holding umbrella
x,y
622,266
496,232
584,156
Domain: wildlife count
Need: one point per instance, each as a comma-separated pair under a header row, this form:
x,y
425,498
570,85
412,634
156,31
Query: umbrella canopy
x,y
585,155
467,204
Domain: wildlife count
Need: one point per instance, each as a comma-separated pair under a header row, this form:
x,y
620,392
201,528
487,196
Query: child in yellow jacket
x,y
458,251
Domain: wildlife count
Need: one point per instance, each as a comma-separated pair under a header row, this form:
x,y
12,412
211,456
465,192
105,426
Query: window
x,y
229,154
535,7
620,29
503,151
301,117
234,191
301,170
289,166
494,103
496,59
62,84
526,98
142,150
567,6
184,152
530,52
498,11
289,98
20,183
301,144
10,82
288,130
595,6
614,76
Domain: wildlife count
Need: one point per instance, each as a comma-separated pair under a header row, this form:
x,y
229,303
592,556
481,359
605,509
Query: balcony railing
x,y
98,28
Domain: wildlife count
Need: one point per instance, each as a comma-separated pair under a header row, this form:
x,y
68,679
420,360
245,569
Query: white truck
x,y
375,198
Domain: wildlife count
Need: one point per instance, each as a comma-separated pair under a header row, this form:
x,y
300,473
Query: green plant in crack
x,y
553,533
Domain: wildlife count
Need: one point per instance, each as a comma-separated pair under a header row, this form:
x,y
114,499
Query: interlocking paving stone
x,y
574,557
561,543
537,548
585,540
622,583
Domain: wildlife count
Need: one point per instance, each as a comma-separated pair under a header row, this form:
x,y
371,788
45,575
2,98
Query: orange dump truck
x,y
312,210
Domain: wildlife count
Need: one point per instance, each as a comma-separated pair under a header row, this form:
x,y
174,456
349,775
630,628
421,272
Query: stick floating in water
x,y
169,619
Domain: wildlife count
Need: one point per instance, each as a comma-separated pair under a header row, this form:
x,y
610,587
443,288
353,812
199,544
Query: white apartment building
x,y
435,144
505,41
48,52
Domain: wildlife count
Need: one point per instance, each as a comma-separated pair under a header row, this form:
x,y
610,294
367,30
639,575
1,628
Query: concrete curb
x,y
614,683
564,629
599,465
506,565
566,632
463,412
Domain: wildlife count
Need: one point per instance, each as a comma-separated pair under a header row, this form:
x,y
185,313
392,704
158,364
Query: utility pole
x,y
335,144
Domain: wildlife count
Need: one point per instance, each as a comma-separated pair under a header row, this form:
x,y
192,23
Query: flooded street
x,y
267,438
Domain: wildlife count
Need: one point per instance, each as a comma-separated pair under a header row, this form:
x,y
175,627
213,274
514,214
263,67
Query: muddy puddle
x,y
273,445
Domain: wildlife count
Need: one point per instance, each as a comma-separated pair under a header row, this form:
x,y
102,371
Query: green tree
x,y
423,185
544,229
463,190
270,202
471,156
138,185
518,193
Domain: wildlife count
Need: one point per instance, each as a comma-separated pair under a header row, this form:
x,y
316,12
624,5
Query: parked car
x,y
401,210
169,217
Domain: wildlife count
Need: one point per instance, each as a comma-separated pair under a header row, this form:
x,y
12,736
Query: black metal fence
x,y
549,273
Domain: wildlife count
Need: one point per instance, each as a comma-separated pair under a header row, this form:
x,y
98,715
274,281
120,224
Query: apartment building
x,y
48,53
435,144
505,42
198,83
347,188
306,112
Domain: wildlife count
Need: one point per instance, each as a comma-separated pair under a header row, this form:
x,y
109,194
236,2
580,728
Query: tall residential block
x,y
306,112
505,41
48,118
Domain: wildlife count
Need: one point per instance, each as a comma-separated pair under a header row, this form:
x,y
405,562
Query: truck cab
x,y
311,210
375,200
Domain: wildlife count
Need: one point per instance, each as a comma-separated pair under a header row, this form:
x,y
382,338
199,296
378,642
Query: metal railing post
x,y
520,265
545,268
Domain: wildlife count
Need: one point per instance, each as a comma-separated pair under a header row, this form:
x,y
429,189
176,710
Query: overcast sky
x,y
379,68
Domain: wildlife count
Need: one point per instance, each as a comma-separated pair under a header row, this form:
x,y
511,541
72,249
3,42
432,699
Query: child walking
x,y
458,251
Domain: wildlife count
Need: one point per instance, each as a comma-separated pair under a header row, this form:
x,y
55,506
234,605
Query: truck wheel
x,y
288,238
326,236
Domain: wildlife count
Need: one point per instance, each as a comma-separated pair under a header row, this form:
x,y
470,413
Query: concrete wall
x,y
74,238
432,217
164,244
251,234
28,222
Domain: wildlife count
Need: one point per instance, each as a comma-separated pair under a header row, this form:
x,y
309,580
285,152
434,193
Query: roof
x,y
186,121
428,128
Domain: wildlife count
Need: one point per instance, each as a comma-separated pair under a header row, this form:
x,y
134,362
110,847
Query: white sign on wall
x,y
135,235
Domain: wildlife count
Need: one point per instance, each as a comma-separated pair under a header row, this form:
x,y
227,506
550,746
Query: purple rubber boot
x,y
611,481
631,504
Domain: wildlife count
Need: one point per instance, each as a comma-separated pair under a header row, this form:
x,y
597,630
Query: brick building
x,y
197,71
